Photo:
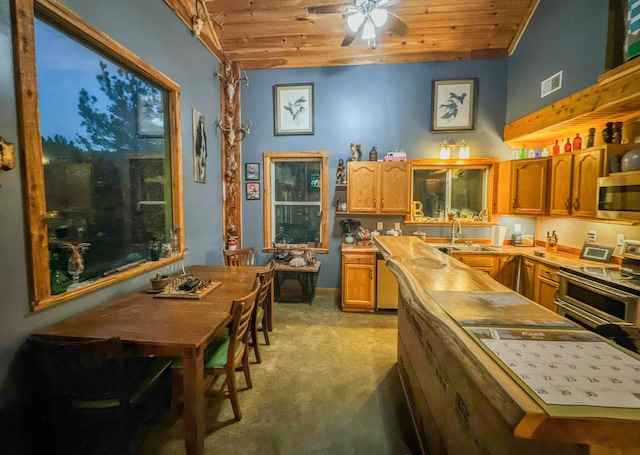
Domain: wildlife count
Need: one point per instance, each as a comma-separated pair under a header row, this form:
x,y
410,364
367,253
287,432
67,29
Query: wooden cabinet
x,y
485,262
546,286
378,187
574,181
358,281
527,277
507,270
529,181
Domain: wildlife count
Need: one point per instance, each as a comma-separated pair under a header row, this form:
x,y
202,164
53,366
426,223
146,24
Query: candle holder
x,y
75,265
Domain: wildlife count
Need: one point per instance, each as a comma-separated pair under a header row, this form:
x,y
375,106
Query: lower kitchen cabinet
x,y
358,281
508,270
484,262
546,286
527,277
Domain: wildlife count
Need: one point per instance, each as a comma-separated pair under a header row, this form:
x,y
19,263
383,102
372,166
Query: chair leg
x,y
233,393
265,330
245,367
254,341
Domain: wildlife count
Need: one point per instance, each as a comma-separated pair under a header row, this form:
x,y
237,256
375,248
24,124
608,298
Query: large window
x,y
100,155
296,200
459,188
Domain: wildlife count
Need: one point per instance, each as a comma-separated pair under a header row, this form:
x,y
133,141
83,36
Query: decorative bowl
x,y
631,160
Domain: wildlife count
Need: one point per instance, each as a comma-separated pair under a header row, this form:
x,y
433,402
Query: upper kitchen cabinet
x,y
574,180
529,182
615,97
378,187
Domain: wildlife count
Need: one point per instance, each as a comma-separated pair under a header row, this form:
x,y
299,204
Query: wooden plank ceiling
x,y
285,34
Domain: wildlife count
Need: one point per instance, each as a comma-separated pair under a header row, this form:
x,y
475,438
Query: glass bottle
x,y
154,250
591,137
567,146
556,148
545,152
577,142
523,155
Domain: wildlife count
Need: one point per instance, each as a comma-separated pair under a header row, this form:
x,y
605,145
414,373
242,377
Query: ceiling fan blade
x,y
351,35
327,9
396,25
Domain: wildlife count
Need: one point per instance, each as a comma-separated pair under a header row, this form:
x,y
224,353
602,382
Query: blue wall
x,y
388,106
159,37
563,35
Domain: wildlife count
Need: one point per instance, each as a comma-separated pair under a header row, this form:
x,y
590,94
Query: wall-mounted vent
x,y
551,85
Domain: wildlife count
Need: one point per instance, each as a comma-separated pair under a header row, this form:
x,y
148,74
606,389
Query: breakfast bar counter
x,y
473,357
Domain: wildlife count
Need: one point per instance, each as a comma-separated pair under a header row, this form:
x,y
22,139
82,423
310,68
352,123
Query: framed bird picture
x,y
453,105
293,109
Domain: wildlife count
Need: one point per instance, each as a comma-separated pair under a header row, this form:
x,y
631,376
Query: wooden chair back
x,y
239,257
241,311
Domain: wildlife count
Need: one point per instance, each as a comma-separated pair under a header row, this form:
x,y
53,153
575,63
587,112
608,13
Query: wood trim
x,y
523,26
23,15
268,158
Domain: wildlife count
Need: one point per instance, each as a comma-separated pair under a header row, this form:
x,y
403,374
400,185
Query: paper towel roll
x,y
497,235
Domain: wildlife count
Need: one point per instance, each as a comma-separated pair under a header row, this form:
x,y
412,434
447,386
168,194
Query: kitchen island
x,y
458,327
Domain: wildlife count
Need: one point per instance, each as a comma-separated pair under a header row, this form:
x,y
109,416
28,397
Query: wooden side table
x,y
306,276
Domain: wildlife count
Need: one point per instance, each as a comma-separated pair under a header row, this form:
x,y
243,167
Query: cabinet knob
x,y
576,204
567,204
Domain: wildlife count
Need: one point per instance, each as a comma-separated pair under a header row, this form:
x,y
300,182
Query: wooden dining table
x,y
176,327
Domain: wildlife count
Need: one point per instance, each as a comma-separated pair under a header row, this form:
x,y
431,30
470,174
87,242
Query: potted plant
x,y
159,281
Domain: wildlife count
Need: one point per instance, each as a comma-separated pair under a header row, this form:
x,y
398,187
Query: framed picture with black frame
x,y
252,191
293,109
453,105
252,171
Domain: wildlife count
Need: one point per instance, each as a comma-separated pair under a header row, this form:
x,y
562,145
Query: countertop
x,y
435,290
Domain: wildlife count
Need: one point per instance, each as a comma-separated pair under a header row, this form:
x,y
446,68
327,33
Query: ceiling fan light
x,y
368,31
355,21
379,16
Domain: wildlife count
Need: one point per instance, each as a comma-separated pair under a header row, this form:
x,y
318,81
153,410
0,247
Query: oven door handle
x,y
605,290
581,315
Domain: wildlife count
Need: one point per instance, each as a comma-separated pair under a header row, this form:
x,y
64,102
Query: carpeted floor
x,y
327,384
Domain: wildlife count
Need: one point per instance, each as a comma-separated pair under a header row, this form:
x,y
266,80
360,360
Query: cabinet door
x,y
362,187
394,187
507,269
529,186
502,194
358,282
560,189
484,262
527,278
587,167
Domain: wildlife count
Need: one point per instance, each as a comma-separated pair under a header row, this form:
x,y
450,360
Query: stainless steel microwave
x,y
619,196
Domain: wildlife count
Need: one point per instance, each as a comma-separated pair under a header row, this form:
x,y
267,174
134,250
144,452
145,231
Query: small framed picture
x,y
293,109
253,191
597,253
252,171
453,104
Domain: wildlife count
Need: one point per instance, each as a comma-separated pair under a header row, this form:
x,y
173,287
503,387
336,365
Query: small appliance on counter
x,y
518,239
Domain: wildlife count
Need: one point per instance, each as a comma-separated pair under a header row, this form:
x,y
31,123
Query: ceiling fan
x,y
364,18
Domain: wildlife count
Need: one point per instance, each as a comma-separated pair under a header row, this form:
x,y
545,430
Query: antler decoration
x,y
230,82
231,133
199,19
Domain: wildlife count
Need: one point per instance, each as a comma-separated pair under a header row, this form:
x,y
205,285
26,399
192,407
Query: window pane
x,y
467,191
298,223
105,154
430,188
297,181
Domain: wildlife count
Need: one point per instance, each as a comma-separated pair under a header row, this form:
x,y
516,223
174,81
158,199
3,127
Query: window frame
x,y
23,15
488,164
268,159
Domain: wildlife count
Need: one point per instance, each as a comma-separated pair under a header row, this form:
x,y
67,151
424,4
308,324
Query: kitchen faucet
x,y
455,234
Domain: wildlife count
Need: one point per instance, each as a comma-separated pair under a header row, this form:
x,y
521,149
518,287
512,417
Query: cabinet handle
x,y
567,204
370,274
513,204
576,204
382,204
374,203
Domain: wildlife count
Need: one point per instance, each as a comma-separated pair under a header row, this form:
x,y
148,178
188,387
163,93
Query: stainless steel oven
x,y
604,299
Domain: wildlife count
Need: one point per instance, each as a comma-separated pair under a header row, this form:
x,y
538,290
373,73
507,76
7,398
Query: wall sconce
x,y
464,151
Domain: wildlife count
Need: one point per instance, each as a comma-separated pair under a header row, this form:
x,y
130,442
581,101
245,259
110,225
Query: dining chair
x,y
262,310
226,353
100,398
239,257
